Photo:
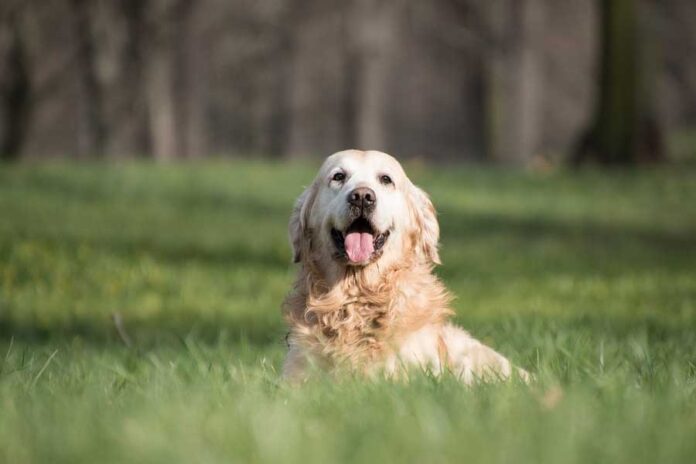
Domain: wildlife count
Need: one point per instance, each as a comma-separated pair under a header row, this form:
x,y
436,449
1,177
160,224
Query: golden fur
x,y
388,314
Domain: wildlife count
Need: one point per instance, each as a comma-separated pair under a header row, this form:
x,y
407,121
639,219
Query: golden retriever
x,y
365,298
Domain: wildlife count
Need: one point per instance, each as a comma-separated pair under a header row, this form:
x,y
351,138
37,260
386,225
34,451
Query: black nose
x,y
363,198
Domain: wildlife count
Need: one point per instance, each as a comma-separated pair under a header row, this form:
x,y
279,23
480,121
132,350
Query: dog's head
x,y
363,209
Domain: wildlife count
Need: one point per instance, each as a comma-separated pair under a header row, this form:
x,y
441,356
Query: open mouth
x,y
360,242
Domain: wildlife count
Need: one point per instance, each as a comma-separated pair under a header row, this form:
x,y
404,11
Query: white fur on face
x,y
400,206
362,169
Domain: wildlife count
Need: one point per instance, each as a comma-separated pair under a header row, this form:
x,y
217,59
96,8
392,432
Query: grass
x,y
587,279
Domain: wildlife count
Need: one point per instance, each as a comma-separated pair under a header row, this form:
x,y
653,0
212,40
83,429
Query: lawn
x,y
586,279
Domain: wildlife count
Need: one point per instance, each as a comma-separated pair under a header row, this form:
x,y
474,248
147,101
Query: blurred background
x,y
520,82
140,300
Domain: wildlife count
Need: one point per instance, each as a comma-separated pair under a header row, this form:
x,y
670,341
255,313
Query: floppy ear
x,y
298,222
427,224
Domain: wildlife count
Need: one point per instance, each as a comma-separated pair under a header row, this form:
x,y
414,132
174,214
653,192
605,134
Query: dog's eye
x,y
339,177
385,180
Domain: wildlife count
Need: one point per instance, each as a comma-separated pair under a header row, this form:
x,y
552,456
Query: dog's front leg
x,y
471,360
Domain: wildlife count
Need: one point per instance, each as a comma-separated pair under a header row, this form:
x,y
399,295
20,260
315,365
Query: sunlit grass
x,y
586,279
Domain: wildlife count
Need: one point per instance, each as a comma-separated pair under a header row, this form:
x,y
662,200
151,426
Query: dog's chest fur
x,y
359,320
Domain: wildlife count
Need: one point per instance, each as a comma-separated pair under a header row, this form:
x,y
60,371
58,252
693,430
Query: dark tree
x,y
91,135
625,129
15,86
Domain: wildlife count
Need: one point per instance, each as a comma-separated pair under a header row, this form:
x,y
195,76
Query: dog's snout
x,y
362,197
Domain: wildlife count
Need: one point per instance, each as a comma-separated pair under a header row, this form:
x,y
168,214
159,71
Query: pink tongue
x,y
359,246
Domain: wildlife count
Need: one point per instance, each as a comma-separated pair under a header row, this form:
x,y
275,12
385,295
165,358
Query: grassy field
x,y
586,279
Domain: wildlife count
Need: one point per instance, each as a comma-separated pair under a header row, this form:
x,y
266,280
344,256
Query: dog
x,y
365,299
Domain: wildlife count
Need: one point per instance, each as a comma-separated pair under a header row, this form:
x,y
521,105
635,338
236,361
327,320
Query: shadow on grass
x,y
458,224
191,195
524,338
474,228
249,208
634,245
177,253
147,333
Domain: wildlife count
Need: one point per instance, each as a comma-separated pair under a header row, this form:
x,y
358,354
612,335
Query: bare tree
x,y
373,25
500,80
625,129
514,80
159,80
15,83
131,107
191,71
91,135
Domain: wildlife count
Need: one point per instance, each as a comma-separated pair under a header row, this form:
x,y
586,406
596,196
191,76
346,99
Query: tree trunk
x,y
625,129
132,109
159,83
160,99
191,88
91,133
15,89
514,81
374,23
281,119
